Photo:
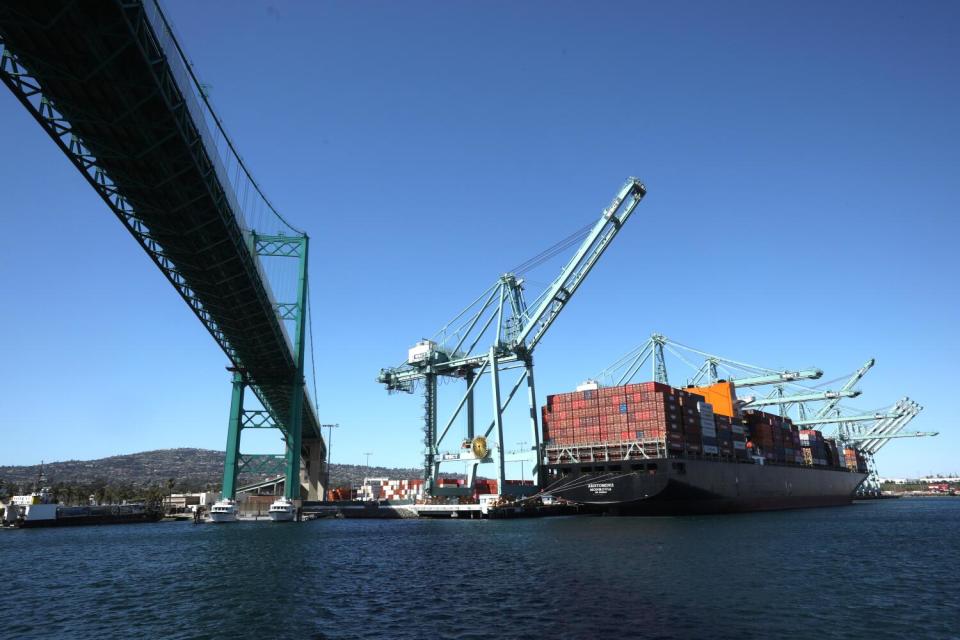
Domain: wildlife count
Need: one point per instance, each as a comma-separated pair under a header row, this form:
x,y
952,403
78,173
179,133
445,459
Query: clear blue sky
x,y
802,169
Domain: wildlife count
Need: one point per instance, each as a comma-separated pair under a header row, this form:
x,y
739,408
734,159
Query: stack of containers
x,y
407,489
786,430
776,437
760,431
812,447
832,455
612,409
646,411
739,438
708,429
725,434
340,493
410,489
653,413
572,418
483,486
690,412
850,456
797,449
841,458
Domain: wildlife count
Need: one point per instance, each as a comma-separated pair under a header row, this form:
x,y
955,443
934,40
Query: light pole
x,y
368,454
330,428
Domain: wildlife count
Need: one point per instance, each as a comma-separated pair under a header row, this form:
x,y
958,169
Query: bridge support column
x,y
313,469
291,489
231,465
297,392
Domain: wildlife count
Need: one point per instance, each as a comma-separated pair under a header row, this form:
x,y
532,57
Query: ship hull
x,y
670,486
75,521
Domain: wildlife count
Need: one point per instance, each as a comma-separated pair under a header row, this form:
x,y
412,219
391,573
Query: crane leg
x,y
534,422
498,418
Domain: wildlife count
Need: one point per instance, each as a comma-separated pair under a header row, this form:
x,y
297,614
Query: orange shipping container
x,y
721,395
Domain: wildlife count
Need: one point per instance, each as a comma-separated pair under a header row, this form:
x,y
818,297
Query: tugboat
x,y
224,510
283,510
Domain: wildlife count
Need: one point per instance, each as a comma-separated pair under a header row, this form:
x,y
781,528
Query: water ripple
x,y
875,570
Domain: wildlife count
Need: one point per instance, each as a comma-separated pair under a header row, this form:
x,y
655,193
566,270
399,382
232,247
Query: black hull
x,y
76,521
669,486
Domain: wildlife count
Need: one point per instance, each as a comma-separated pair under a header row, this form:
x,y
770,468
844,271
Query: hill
x,y
188,469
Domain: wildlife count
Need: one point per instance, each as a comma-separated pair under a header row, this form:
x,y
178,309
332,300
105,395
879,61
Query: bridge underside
x,y
100,78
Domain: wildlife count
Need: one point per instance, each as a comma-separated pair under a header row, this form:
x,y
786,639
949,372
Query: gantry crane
x,y
626,368
847,386
813,396
777,396
886,425
870,439
517,328
838,418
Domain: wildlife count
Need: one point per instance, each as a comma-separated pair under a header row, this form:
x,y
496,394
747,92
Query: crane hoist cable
x,y
574,238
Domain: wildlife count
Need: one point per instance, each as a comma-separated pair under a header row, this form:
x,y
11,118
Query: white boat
x,y
283,510
224,510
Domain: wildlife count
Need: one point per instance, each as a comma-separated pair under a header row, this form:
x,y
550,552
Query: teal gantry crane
x,y
625,369
885,425
516,328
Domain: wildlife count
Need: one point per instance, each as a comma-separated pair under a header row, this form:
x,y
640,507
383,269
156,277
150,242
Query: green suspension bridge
x,y
110,84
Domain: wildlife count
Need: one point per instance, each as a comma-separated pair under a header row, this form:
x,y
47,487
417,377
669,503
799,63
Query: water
x,y
874,570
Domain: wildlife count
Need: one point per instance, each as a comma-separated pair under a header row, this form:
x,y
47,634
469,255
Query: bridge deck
x,y
102,66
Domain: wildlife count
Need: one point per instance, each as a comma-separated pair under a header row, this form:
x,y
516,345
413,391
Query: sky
x,y
801,162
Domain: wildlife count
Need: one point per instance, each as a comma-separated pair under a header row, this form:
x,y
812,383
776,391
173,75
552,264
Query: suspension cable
x,y
313,360
216,118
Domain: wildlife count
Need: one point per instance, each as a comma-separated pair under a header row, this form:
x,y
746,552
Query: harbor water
x,y
882,569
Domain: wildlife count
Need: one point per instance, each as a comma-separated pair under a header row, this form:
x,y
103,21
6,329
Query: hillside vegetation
x,y
176,470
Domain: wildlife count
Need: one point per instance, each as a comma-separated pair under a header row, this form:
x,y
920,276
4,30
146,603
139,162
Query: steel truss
x,y
290,426
183,207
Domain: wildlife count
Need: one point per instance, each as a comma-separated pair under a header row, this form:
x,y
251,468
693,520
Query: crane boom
x,y
782,376
863,417
556,297
854,379
804,397
461,351
900,409
909,434
879,437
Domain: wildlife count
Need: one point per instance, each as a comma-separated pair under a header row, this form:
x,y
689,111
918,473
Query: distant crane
x,y
516,329
847,386
885,425
864,417
832,398
625,369
870,439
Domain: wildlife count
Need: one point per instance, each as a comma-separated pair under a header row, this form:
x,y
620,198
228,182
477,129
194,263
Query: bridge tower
x,y
290,423
113,88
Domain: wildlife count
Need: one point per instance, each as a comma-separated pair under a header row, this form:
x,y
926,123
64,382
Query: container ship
x,y
651,449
